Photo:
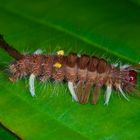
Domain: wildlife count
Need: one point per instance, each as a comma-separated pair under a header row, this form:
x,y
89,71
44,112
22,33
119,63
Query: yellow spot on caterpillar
x,y
57,65
61,52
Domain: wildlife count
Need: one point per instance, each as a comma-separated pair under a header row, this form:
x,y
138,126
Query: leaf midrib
x,y
64,30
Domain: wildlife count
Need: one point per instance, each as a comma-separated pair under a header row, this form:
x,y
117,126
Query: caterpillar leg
x,y
72,91
85,97
96,94
38,51
79,90
31,84
108,94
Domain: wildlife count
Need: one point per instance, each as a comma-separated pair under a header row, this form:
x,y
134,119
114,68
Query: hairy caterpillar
x,y
81,72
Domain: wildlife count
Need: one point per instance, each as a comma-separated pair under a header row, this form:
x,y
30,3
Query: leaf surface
x,y
105,28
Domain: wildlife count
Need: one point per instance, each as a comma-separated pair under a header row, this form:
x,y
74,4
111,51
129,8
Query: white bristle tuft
x,y
31,84
71,88
115,65
122,67
108,94
38,51
123,94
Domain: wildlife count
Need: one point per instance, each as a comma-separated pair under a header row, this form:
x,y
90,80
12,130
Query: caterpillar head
x,y
130,79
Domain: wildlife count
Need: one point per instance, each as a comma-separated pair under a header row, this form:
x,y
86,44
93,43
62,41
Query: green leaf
x,y
5,134
104,28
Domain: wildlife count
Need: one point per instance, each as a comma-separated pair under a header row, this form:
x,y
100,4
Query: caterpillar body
x,y
81,72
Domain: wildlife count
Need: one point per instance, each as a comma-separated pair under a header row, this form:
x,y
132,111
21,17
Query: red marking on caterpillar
x,y
82,73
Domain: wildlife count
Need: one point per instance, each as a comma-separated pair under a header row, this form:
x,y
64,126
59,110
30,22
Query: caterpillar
x,y
82,73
